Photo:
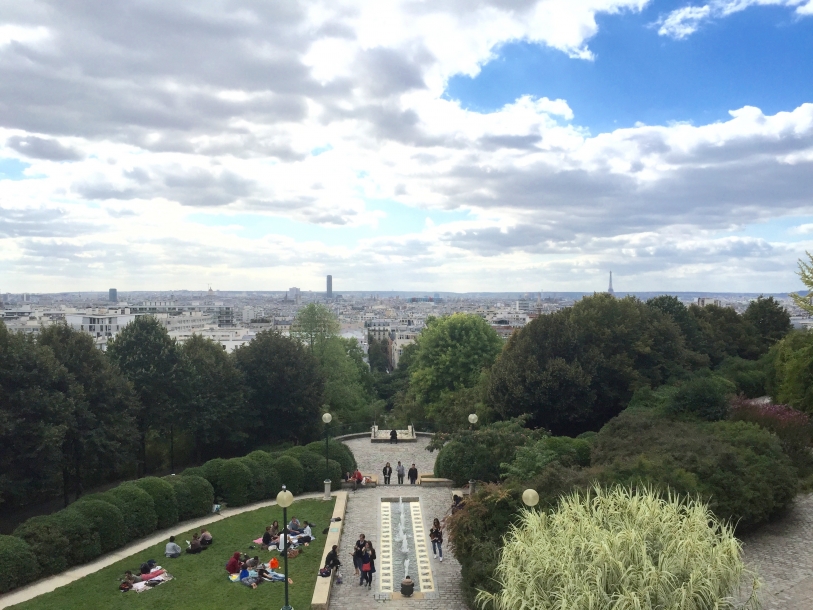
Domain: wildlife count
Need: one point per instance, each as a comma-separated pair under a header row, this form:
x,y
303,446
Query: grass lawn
x,y
201,582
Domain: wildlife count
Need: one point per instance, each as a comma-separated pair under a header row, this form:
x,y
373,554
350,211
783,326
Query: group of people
x,y
412,473
298,533
364,561
250,571
200,542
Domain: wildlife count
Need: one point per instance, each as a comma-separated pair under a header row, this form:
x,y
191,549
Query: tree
x,y
348,381
314,324
791,381
284,387
577,368
688,325
378,355
806,275
214,414
726,333
770,320
161,376
450,355
98,429
35,404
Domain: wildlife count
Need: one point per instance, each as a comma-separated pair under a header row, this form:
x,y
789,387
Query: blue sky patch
x,y
12,169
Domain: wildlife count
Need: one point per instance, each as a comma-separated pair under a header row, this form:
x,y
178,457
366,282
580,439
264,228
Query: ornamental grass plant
x,y
620,548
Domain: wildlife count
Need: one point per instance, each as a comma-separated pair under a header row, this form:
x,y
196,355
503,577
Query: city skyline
x,y
449,146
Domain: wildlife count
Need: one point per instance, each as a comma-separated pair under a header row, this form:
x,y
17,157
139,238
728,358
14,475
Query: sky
x,y
451,145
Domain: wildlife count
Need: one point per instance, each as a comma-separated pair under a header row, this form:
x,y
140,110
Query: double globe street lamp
x,y
284,499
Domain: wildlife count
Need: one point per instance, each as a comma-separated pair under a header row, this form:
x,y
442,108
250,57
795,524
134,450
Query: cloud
x,y
685,21
43,148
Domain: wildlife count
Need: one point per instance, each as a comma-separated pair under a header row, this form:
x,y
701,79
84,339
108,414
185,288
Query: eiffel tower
x,y
610,289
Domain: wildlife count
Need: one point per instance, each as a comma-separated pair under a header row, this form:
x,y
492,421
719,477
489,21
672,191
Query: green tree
x,y
726,333
806,275
770,320
98,430
35,404
450,355
378,355
155,365
348,381
687,323
575,369
791,381
314,324
214,414
284,387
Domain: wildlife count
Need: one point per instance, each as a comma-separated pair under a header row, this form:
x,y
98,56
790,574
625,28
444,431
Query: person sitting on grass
x,y
233,566
247,579
130,578
172,550
194,546
275,529
205,538
294,526
269,539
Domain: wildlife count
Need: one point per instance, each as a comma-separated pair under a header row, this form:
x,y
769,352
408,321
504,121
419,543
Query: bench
x,y
321,592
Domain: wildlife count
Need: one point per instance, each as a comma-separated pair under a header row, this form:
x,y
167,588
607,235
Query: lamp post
x,y
530,498
472,421
327,418
284,499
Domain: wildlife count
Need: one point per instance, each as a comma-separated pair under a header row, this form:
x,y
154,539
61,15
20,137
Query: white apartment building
x,y
101,323
401,337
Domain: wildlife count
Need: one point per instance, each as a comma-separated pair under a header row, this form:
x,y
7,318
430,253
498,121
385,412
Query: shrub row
x,y
102,522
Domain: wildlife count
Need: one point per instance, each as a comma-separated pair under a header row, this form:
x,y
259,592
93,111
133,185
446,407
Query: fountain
x,y
407,535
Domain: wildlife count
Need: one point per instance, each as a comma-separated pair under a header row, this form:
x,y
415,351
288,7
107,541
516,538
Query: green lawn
x,y
200,581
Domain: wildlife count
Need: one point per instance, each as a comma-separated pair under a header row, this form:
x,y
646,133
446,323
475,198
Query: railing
x,y
425,426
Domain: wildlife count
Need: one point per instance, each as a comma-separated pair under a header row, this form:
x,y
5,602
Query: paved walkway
x,y
47,585
362,517
782,555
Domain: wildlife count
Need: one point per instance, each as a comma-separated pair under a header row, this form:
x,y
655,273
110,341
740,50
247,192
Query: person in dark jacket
x,y
367,565
387,473
194,546
436,536
412,474
332,560
399,470
393,436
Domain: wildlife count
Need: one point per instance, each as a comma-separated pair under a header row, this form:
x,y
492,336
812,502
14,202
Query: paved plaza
x,y
362,517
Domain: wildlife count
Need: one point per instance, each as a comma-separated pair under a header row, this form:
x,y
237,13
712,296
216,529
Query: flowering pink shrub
x,y
791,426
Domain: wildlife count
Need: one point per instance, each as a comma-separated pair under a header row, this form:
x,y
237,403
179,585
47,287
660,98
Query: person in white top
x,y
172,549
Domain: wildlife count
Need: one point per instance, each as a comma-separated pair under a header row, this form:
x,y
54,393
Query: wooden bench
x,y
321,592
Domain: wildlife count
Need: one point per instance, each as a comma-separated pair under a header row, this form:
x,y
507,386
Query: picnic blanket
x,y
146,585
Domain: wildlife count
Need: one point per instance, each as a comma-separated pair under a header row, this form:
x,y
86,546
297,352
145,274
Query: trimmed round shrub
x,y
266,472
461,463
106,519
163,495
336,451
313,465
46,540
136,506
195,471
211,472
587,554
335,473
235,482
18,564
201,496
83,538
183,495
256,489
291,474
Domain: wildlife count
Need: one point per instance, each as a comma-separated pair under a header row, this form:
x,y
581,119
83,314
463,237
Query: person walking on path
x,y
367,565
436,536
413,475
393,436
358,551
400,471
387,473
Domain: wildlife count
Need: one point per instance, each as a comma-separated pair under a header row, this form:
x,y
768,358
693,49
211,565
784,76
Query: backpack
x,y
325,572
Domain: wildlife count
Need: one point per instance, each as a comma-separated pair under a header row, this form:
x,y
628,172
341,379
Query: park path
x,y
781,553
362,517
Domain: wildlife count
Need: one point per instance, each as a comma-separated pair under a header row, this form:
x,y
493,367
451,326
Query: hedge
x,y
83,538
235,482
136,506
47,542
163,496
211,472
314,466
195,471
461,463
335,473
202,496
106,519
291,473
18,564
337,451
262,464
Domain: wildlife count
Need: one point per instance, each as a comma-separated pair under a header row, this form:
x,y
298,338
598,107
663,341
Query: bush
x,y
748,376
269,482
211,470
739,468
18,564
106,519
194,471
47,542
532,459
791,426
83,539
291,473
235,482
136,506
587,554
460,463
201,496
163,497
336,451
335,474
704,396
313,465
